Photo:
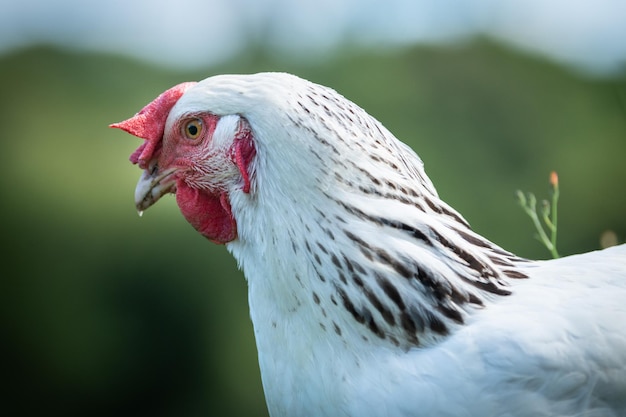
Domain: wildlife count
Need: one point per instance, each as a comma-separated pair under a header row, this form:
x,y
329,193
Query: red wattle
x,y
210,214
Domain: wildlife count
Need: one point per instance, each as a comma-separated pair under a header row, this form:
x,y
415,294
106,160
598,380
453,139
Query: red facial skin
x,y
206,208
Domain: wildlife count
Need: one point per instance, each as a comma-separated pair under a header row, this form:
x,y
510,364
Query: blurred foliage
x,y
104,313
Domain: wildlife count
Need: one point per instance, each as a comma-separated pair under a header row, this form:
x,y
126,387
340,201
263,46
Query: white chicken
x,y
369,295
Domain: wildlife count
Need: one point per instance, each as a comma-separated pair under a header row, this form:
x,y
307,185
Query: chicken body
x,y
369,295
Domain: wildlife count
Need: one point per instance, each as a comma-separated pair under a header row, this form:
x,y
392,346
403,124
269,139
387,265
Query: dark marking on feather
x,y
407,323
454,215
384,311
348,263
316,155
451,313
474,263
357,280
474,299
436,288
340,219
363,317
326,143
342,277
352,236
410,328
366,190
488,286
358,268
474,240
316,298
436,325
381,255
371,324
320,276
499,261
322,248
366,253
364,172
433,206
391,291
412,231
348,305
397,266
337,329
483,243
514,274
305,108
394,341
413,193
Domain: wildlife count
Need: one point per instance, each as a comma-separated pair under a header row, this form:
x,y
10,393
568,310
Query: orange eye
x,y
193,129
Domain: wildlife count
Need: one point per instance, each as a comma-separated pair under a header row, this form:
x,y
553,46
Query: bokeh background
x,y
104,313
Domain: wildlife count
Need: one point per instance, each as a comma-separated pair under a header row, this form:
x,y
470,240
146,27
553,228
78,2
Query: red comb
x,y
149,123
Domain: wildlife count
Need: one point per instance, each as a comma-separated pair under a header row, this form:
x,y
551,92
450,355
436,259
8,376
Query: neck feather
x,y
344,231
403,272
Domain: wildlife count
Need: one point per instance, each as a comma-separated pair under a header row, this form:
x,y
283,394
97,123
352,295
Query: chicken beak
x,y
153,185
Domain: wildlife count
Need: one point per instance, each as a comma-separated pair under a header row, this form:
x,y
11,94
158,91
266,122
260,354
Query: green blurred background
x,y
104,313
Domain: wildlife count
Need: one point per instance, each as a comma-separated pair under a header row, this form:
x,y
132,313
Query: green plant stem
x,y
553,223
548,215
531,210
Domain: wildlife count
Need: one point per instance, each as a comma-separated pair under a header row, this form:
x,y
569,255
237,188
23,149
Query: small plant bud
x,y
554,179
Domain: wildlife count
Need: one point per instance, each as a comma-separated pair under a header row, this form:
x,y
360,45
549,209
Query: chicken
x,y
369,295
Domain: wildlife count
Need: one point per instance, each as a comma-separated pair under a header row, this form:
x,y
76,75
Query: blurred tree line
x,y
104,313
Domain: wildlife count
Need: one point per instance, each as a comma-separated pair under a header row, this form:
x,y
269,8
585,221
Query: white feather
x,y
334,191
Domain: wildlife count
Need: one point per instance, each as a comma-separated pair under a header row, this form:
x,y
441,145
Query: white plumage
x,y
372,297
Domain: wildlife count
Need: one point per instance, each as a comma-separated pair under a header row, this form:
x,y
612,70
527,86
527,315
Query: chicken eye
x,y
193,129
